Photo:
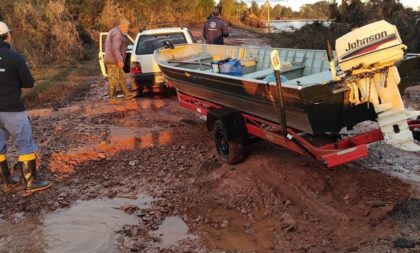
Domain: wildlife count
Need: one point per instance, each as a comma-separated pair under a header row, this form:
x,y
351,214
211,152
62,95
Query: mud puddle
x,y
171,232
21,234
87,226
229,230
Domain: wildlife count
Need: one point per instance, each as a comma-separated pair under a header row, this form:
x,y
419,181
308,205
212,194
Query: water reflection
x,y
171,231
290,25
88,226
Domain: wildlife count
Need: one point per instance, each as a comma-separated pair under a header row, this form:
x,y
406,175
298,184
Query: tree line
x,y
350,14
255,15
318,10
49,31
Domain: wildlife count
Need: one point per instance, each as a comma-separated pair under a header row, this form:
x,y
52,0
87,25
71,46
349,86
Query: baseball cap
x,y
4,28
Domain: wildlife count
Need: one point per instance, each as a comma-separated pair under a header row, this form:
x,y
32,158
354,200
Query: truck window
x,y
192,37
149,43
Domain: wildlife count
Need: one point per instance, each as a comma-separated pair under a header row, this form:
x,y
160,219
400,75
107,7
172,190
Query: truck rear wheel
x,y
416,134
230,151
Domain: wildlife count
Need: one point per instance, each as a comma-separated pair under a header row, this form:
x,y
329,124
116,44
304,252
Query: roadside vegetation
x,y
352,14
61,32
58,36
59,86
57,32
317,10
239,13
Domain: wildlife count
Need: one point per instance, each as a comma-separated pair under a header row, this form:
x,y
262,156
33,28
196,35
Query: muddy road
x,y
143,176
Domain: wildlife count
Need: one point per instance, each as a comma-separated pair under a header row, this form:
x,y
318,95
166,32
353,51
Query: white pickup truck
x,y
144,71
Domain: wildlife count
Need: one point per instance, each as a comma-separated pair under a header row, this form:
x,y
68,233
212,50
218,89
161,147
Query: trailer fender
x,y
232,119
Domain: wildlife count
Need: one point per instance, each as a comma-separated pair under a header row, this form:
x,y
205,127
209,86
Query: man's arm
x,y
116,42
205,31
225,30
25,77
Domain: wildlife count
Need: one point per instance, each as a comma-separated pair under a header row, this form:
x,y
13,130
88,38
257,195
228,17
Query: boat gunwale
x,y
234,84
286,85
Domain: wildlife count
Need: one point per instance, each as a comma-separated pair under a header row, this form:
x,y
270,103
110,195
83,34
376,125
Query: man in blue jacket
x,y
215,29
14,122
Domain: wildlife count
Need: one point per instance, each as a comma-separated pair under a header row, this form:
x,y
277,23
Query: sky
x,y
295,4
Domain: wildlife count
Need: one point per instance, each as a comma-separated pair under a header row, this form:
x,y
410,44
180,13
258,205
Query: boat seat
x,y
259,74
315,79
203,58
198,58
266,72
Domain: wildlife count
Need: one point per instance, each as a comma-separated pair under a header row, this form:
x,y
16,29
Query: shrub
x,y
43,32
310,36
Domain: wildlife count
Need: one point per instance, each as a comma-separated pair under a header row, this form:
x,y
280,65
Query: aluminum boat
x,y
317,98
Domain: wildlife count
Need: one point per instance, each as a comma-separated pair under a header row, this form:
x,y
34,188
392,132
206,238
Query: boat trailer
x,y
229,137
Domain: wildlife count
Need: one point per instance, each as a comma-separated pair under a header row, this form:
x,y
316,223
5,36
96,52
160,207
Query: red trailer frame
x,y
331,155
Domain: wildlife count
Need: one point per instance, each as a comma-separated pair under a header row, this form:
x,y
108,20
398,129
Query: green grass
x,y
60,83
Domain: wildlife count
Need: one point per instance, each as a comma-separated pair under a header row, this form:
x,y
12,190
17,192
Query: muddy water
x,y
88,226
21,234
238,233
171,231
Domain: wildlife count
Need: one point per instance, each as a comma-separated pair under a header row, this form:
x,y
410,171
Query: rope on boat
x,y
351,81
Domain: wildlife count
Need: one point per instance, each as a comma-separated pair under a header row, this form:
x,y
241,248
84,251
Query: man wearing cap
x,y
115,54
14,122
215,29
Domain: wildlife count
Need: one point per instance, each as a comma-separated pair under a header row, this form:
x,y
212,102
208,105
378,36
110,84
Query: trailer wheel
x,y
230,151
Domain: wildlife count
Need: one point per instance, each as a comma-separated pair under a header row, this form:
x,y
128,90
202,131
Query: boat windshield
x,y
149,43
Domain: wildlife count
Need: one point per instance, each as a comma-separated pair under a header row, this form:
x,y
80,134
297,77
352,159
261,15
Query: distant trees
x,y
204,8
51,30
276,12
287,12
311,11
351,14
356,13
255,9
229,7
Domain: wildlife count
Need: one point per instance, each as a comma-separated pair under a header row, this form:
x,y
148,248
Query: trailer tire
x,y
230,151
171,91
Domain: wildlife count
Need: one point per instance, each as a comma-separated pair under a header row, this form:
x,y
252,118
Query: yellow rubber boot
x,y
27,165
5,176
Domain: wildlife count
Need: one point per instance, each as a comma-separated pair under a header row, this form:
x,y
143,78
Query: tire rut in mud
x,y
407,213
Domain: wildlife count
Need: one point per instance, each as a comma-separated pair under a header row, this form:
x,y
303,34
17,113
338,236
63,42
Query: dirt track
x,y
275,201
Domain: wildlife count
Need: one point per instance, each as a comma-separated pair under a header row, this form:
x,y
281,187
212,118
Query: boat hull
x,y
315,109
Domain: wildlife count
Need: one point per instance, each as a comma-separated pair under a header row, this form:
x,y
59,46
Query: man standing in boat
x,y
215,29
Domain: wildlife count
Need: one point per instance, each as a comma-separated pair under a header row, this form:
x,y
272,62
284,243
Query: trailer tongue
x,y
367,56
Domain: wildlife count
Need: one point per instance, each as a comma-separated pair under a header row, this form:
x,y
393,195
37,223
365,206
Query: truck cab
x,y
144,71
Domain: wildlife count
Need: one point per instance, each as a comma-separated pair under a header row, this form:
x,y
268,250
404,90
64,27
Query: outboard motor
x,y
368,56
